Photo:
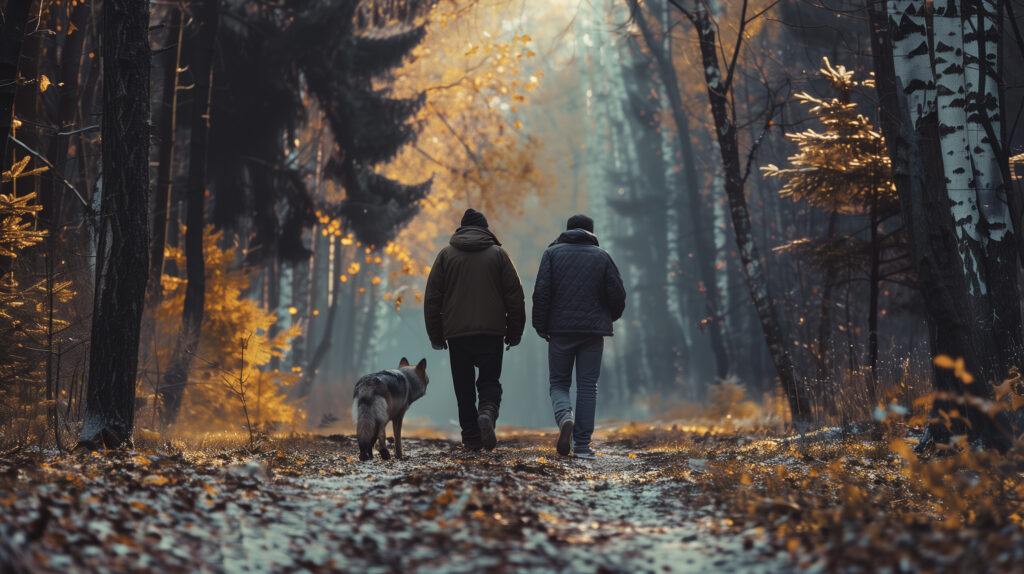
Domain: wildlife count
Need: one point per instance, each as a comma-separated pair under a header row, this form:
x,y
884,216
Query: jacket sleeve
x,y
615,292
515,300
433,301
542,295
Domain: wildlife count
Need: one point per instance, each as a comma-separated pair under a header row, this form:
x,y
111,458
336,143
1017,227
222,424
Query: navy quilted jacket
x,y
578,288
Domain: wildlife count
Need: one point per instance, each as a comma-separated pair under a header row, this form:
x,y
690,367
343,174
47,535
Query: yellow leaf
x,y
155,480
632,455
44,83
944,362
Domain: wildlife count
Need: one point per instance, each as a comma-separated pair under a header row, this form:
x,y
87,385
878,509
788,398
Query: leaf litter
x,y
656,500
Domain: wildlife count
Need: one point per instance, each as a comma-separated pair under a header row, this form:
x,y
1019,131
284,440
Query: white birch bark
x,y
910,55
951,103
981,43
951,100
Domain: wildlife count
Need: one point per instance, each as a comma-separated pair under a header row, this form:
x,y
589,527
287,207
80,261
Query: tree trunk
x,y
122,260
753,270
165,171
823,352
273,278
12,34
874,281
176,377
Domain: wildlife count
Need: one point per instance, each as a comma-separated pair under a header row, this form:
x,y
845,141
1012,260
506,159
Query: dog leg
x,y
382,444
396,427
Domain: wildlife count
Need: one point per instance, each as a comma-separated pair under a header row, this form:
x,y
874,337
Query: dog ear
x,y
403,363
422,366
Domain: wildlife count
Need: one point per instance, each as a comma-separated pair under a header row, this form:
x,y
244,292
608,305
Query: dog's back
x,y
385,396
371,399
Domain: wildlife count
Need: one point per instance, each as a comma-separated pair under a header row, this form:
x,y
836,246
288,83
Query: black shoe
x,y
487,437
472,445
564,444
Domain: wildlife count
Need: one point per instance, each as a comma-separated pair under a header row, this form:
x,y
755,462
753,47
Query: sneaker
x,y
487,437
564,444
472,445
585,454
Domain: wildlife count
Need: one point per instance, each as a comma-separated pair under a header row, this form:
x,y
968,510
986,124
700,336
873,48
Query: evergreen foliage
x,y
846,167
274,58
24,315
843,169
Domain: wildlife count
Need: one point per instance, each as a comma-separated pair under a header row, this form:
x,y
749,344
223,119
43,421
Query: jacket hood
x,y
471,238
577,236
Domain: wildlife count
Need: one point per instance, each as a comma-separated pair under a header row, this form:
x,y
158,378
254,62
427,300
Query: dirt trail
x,y
520,508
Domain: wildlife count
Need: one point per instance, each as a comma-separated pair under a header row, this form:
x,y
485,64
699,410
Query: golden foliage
x,y
227,382
472,134
846,167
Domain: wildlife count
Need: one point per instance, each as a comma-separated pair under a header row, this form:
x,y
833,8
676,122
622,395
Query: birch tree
x,y
937,81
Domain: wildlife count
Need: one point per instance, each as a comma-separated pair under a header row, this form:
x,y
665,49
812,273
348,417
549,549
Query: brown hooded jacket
x,y
473,289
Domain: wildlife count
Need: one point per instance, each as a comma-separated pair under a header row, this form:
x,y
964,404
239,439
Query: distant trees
x,y
122,259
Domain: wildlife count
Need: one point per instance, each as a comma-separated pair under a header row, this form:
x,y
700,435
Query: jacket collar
x,y
472,238
578,237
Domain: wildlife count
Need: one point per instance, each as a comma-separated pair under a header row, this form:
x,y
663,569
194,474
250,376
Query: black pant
x,y
483,352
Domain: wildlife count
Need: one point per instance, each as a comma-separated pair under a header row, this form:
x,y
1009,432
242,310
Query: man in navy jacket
x,y
578,295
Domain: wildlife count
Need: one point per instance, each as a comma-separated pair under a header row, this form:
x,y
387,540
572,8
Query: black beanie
x,y
580,221
474,218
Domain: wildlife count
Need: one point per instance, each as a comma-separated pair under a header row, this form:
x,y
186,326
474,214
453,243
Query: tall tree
x,y
165,151
122,258
173,387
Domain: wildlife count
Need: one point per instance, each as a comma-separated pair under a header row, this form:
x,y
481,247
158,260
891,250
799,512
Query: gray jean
x,y
585,352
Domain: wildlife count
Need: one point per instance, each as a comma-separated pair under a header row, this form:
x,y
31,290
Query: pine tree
x,y
284,53
845,169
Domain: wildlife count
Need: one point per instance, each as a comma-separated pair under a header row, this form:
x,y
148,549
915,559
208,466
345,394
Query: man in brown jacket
x,y
474,301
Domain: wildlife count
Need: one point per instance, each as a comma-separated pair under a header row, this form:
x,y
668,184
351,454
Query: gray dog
x,y
382,397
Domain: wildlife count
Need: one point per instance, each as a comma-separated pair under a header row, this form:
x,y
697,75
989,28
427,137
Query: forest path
x,y
310,506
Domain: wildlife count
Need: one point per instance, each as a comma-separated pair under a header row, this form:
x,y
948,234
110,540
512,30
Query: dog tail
x,y
371,414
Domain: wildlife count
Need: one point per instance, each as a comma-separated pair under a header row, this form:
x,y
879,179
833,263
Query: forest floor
x,y
655,500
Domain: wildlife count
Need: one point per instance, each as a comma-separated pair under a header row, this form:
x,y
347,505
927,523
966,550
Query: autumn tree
x,y
122,258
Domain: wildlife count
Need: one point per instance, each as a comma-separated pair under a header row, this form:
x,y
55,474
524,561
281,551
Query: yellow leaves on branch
x,y
234,347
